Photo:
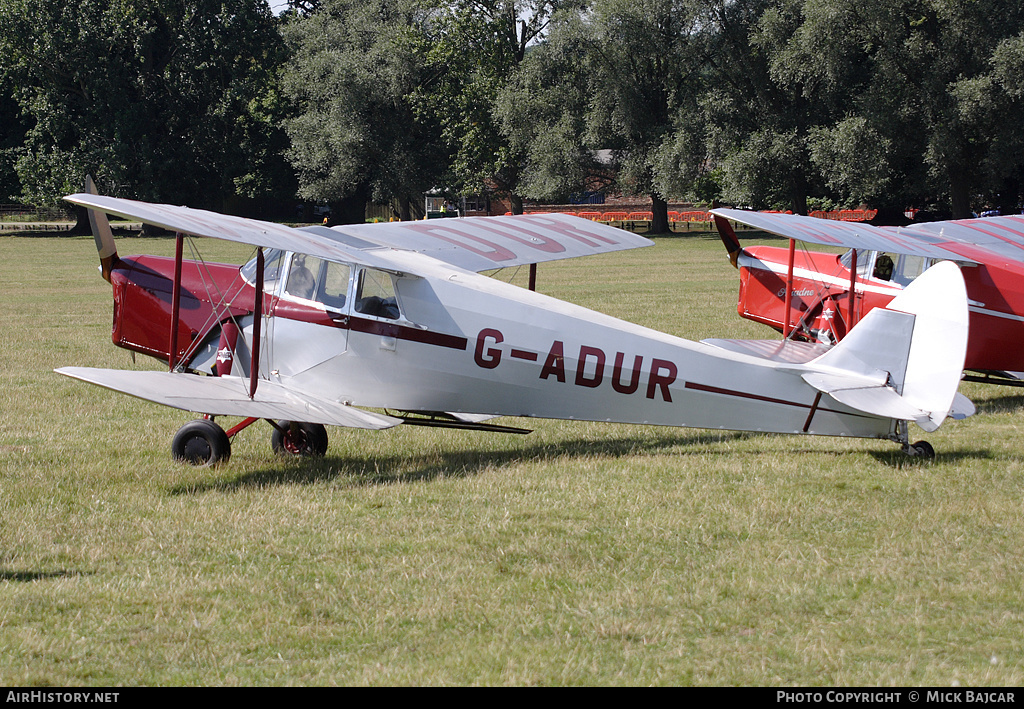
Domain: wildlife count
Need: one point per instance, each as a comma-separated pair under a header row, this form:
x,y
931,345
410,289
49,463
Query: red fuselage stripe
x,y
758,397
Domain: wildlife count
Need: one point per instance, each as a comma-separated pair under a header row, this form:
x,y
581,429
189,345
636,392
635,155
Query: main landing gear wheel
x,y
201,442
302,439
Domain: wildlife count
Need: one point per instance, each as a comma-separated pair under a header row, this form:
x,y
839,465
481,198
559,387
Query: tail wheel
x,y
201,442
303,439
923,449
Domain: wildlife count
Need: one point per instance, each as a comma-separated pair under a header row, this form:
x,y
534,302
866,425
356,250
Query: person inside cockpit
x,y
300,280
883,267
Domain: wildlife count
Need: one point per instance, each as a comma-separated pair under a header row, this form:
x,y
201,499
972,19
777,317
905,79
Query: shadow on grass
x,y
1001,404
27,576
896,458
372,470
378,470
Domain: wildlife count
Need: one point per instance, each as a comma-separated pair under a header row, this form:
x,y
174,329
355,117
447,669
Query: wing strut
x,y
789,289
172,352
257,323
853,290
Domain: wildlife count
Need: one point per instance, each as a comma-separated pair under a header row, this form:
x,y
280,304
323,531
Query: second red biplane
x,y
818,296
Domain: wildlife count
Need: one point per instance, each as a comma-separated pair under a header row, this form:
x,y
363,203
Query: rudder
x,y
903,361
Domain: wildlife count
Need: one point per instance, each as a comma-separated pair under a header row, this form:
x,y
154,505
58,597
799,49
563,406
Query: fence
x,y
28,213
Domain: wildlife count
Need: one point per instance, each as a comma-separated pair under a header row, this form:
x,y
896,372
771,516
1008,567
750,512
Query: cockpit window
x,y
313,278
376,295
334,285
302,276
910,267
865,261
272,262
900,268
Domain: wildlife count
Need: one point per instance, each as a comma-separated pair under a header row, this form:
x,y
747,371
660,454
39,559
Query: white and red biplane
x,y
375,325
807,295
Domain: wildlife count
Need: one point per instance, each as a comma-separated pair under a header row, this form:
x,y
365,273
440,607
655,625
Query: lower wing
x,y
228,396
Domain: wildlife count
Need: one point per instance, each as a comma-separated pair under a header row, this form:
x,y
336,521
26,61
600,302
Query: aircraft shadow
x,y
27,576
376,470
463,463
1000,405
896,458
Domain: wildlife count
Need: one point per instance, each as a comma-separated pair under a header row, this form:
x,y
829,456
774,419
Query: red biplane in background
x,y
807,295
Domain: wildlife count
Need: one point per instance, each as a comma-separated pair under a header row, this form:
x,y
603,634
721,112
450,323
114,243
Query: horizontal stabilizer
x,y
869,397
228,396
782,351
962,407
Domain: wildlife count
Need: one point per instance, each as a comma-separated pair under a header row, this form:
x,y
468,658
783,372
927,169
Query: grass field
x,y
582,554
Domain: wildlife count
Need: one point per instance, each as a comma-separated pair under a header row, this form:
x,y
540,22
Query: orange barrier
x,y
691,217
640,216
613,217
846,215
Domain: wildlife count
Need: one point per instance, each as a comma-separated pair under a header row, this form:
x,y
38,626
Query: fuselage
x,y
820,297
450,340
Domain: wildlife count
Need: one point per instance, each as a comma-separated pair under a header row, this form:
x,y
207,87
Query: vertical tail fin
x,y
903,361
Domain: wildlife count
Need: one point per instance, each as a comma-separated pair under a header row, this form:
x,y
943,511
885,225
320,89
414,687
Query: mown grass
x,y
581,554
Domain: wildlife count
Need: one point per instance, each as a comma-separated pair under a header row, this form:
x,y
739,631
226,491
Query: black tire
x,y
302,439
923,449
201,443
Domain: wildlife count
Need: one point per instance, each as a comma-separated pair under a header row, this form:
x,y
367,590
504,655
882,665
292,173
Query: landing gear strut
x,y
921,449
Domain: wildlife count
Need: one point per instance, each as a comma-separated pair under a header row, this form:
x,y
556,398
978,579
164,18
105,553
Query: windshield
x,y
865,261
272,260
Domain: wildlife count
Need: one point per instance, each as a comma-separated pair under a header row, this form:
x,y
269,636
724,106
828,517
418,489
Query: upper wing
x,y
228,396
851,235
1003,237
473,243
199,222
483,243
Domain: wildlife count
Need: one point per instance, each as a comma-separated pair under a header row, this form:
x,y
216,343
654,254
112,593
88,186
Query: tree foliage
x,y
764,103
933,80
622,77
357,68
153,97
479,47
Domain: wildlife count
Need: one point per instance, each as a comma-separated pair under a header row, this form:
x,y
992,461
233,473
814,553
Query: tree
x,y
935,81
145,95
13,128
541,113
479,46
623,77
357,133
761,111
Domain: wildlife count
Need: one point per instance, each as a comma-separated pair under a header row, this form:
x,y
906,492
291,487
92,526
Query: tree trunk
x,y
516,202
959,195
798,196
351,209
82,225
659,210
404,208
